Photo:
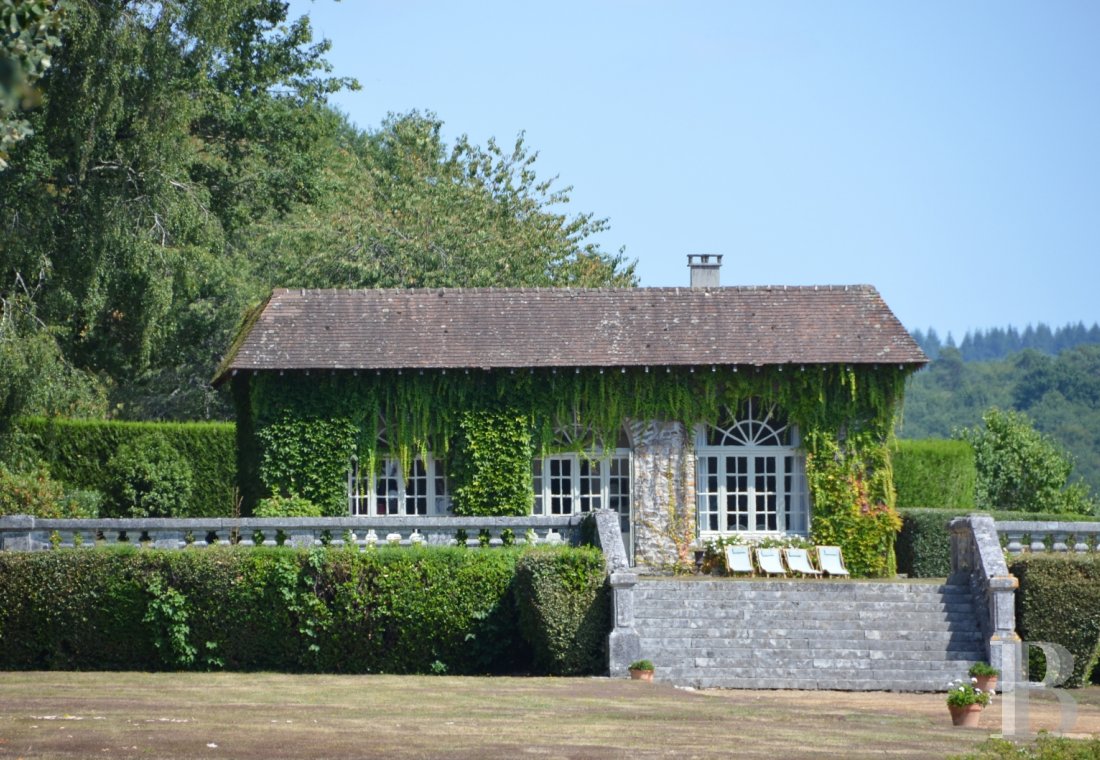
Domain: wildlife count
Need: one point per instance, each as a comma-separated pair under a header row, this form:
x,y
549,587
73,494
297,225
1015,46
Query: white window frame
x,y
759,472
587,491
424,491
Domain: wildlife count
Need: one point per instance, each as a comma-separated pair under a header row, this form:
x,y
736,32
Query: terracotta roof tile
x,y
499,327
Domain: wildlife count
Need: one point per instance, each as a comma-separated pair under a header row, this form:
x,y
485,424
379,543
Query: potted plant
x,y
985,676
965,702
641,670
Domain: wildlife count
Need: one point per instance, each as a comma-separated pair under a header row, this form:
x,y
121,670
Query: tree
x,y
402,209
1022,469
166,126
34,376
29,31
184,161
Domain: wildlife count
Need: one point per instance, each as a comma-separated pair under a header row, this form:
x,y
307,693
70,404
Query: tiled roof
x,y
502,328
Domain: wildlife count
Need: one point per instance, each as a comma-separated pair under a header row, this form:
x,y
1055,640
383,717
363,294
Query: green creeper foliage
x,y
853,501
564,609
78,453
309,457
149,478
491,466
1059,601
298,432
934,473
325,610
1022,469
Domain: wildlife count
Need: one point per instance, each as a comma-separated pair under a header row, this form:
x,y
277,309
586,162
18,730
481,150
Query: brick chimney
x,y
704,269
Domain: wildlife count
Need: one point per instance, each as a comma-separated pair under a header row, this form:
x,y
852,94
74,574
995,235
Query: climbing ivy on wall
x,y
492,464
489,423
853,496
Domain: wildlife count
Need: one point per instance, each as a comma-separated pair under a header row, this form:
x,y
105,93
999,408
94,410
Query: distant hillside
x,y
999,343
1060,393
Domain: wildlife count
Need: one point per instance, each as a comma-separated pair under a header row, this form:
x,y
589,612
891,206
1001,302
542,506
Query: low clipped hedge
x,y
564,609
1059,601
935,473
391,610
83,455
923,546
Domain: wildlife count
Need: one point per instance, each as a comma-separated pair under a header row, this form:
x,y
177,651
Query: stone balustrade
x,y
23,533
977,559
1025,536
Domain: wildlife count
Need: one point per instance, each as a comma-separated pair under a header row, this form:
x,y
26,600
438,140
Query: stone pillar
x,y
19,535
664,494
624,644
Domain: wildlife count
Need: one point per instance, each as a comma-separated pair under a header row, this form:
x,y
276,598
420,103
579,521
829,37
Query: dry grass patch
x,y
263,715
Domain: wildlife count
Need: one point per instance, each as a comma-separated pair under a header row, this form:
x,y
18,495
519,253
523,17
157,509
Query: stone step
x,y
689,646
730,591
702,628
808,613
808,634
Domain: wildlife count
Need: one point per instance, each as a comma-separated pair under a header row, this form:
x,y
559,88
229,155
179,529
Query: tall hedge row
x,y
83,455
428,610
564,609
935,473
924,544
1059,601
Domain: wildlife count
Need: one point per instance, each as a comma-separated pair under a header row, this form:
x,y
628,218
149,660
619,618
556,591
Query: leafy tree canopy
x,y
1060,395
29,31
403,209
183,160
1021,469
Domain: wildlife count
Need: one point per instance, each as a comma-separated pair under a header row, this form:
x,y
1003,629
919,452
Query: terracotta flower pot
x,y
641,675
987,684
966,716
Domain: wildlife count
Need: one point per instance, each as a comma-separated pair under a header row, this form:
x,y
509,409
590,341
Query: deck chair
x,y
831,561
770,562
799,562
738,560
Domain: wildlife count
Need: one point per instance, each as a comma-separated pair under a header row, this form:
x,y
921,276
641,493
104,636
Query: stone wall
x,y
663,495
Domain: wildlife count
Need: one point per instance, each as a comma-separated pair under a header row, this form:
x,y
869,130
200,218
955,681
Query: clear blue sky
x,y
946,152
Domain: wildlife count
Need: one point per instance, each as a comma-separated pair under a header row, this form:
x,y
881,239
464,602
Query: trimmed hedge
x,y
564,609
935,473
426,610
924,544
1059,601
78,453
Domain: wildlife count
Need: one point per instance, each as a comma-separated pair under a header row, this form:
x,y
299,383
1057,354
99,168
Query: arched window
x,y
423,490
750,474
569,482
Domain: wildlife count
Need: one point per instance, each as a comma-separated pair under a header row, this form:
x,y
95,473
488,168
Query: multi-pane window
x,y
751,475
567,484
422,491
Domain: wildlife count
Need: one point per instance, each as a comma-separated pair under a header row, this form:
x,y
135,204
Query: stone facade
x,y
663,494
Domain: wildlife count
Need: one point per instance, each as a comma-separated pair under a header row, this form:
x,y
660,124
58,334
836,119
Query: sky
x,y
946,152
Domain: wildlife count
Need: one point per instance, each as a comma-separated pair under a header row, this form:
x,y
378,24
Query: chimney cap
x,y
704,260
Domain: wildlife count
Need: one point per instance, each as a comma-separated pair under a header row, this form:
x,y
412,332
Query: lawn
x,y
266,715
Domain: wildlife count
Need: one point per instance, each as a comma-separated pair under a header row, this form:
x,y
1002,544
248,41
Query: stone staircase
x,y
820,634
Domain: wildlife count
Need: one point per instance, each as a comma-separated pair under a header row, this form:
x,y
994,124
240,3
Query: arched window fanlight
x,y
756,424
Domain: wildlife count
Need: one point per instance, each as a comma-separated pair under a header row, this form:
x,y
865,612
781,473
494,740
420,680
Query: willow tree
x,y
165,127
